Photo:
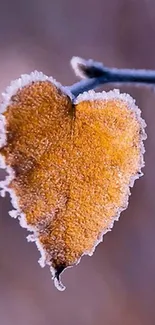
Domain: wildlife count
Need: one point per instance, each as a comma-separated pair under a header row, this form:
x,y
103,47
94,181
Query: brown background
x,y
117,285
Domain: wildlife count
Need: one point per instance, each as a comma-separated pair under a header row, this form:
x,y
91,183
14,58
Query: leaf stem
x,y
95,74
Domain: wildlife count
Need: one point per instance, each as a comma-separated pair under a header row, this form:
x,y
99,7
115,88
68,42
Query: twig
x,y
95,74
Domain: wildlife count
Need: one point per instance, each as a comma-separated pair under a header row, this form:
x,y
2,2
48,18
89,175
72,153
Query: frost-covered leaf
x,y
70,164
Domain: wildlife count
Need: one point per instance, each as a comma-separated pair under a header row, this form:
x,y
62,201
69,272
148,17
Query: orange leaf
x,y
70,164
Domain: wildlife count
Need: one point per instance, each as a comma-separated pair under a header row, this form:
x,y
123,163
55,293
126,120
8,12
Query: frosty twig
x,y
95,74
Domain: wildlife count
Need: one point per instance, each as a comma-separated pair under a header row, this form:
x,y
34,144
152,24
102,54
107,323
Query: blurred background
x,y
116,286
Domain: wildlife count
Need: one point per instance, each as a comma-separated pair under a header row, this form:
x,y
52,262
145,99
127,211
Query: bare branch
x,y
95,74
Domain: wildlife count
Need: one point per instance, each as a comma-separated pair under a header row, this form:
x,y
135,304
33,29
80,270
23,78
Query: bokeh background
x,y
117,285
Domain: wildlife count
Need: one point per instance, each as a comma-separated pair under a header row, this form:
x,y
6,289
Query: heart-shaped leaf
x,y
70,164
